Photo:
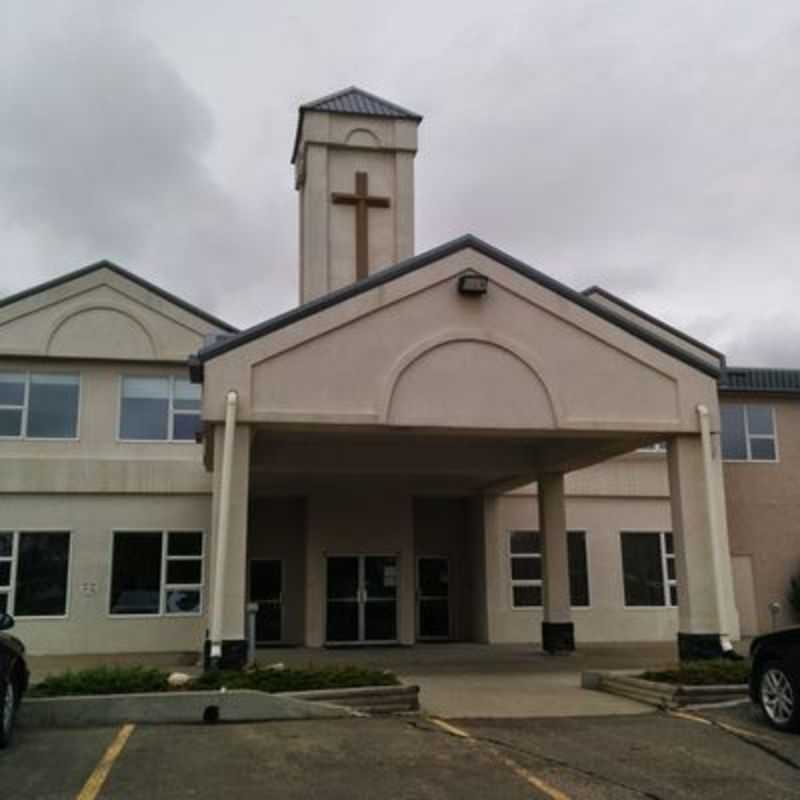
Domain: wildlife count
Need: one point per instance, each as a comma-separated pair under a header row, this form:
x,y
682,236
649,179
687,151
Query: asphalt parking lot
x,y
723,753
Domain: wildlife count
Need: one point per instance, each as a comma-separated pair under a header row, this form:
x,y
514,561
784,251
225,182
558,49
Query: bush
x,y
103,680
129,680
703,673
295,680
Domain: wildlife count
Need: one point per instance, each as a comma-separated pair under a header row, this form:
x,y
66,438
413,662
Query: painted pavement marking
x,y
517,769
91,789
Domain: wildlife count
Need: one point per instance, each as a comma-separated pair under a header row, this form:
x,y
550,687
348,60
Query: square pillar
x,y
234,594
700,562
558,631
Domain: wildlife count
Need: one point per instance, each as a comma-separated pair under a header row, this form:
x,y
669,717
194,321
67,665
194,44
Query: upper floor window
x,y
159,409
748,432
37,405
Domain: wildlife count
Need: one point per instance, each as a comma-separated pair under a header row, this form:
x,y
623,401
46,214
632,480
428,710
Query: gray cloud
x,y
650,148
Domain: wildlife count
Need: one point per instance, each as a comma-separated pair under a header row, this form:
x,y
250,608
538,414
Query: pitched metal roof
x,y
760,379
109,265
418,262
352,100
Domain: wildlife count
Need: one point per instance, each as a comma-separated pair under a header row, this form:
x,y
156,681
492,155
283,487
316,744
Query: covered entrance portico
x,y
365,441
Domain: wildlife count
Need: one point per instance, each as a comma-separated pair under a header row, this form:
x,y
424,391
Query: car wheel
x,y
779,696
8,707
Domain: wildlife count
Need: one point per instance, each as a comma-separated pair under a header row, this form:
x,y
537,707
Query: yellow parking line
x,y
519,771
724,725
96,780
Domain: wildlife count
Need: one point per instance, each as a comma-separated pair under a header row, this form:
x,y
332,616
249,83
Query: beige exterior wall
x,y
763,504
91,519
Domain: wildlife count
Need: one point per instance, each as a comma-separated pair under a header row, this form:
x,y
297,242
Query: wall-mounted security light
x,y
473,284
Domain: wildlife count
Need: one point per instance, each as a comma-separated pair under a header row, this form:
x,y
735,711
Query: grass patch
x,y
714,672
128,680
102,680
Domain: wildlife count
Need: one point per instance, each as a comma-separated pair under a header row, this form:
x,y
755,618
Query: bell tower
x,y
354,174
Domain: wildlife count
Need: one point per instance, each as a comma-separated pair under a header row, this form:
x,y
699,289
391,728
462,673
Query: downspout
x,y
704,418
221,554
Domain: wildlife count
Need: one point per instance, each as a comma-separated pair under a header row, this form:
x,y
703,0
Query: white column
x,y
228,598
699,563
558,634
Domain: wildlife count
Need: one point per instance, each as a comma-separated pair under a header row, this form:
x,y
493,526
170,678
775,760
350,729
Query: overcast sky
x,y
649,147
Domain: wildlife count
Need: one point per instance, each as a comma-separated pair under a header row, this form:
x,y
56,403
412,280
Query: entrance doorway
x,y
433,598
266,589
361,600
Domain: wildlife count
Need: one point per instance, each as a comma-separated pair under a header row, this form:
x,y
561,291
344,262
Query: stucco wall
x,y
763,504
88,627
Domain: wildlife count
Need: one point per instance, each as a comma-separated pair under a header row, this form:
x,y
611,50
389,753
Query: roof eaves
x,y
654,321
423,259
110,265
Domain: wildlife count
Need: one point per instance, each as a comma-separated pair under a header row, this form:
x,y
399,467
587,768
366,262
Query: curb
x,y
241,705
367,699
660,695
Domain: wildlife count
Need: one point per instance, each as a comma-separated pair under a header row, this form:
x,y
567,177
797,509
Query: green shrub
x,y
294,679
103,680
713,672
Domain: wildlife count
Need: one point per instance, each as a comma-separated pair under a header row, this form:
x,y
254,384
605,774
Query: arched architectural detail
x,y
536,372
127,337
362,137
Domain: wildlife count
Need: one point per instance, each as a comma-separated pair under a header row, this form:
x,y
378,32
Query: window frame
x,y
540,581
748,436
162,613
664,558
171,412
11,592
26,374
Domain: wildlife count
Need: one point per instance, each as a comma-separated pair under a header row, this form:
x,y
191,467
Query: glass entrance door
x,y
361,599
266,589
433,598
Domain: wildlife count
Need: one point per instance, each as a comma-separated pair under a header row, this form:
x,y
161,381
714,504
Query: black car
x,y
13,678
775,677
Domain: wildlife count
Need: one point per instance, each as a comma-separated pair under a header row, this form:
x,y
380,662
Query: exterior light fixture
x,y
473,283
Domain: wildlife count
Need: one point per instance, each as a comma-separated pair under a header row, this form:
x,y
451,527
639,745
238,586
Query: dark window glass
x,y
578,569
526,569
10,422
673,595
145,408
669,543
762,449
42,566
184,571
525,542
53,407
527,596
3,603
185,544
759,420
671,568
136,573
6,542
12,389
185,426
5,573
734,442
641,564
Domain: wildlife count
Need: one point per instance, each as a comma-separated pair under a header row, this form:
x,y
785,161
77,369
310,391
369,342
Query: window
x,y
748,432
648,565
658,447
157,572
34,570
159,409
526,568
38,405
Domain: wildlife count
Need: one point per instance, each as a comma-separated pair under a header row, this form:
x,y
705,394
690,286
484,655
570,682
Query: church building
x,y
434,446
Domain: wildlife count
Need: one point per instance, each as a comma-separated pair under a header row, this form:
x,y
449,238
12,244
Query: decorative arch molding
x,y
362,137
74,314
420,350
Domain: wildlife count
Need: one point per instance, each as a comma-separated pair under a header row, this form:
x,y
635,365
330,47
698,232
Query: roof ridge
x,y
124,273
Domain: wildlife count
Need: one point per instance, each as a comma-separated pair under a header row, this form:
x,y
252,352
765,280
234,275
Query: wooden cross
x,y
362,201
